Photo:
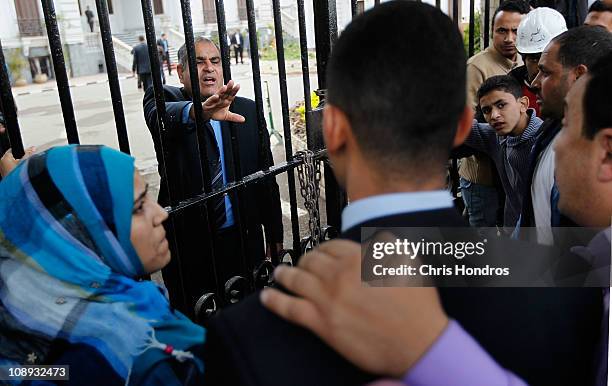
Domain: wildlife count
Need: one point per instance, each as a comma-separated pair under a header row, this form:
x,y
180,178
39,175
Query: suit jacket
x,y
262,200
238,42
547,336
141,62
259,203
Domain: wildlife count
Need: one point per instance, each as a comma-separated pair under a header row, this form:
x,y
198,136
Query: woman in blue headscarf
x,y
77,229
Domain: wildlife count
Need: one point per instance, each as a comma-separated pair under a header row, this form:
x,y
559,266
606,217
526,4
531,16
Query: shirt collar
x,y
384,205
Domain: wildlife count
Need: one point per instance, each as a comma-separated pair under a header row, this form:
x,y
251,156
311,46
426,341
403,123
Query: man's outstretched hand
x,y
381,330
8,161
217,105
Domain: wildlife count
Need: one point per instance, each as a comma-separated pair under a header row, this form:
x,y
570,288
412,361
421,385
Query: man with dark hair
x,y
583,171
600,13
260,204
476,172
165,50
142,64
511,129
564,60
389,142
237,41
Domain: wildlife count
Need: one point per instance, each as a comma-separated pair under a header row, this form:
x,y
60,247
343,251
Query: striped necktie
x,y
216,173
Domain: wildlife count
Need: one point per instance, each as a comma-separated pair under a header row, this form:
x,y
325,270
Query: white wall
x,y
9,30
69,21
131,11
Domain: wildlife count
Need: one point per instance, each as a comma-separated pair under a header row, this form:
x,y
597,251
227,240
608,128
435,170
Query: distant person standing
x,y
90,18
238,44
142,64
165,48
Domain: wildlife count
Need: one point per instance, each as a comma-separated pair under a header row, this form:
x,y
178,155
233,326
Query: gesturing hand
x,y
217,105
8,161
381,330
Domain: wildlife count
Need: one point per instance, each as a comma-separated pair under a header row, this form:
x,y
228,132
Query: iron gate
x,y
246,278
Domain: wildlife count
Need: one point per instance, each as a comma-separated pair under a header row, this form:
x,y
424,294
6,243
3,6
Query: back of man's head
x,y
398,72
141,38
582,45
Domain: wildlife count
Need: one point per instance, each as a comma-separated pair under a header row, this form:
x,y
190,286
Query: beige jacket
x,y
480,67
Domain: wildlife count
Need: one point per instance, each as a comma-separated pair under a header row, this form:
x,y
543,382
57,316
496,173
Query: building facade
x,y
26,48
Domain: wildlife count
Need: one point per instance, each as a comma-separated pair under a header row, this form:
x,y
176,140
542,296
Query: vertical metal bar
x,y
456,17
227,75
485,24
376,2
113,78
438,4
57,55
261,121
10,112
326,33
160,106
282,79
200,124
225,51
471,32
354,8
305,68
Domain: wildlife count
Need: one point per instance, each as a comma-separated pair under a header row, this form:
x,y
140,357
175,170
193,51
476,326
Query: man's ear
x,y
580,70
603,142
336,128
524,101
464,126
179,71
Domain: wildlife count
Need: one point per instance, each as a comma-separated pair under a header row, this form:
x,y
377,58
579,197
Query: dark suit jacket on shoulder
x,y
547,336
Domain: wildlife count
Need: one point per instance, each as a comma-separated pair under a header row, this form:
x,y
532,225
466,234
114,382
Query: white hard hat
x,y
538,28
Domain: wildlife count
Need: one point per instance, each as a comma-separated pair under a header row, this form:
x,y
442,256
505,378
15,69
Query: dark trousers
x,y
238,51
91,23
146,79
169,61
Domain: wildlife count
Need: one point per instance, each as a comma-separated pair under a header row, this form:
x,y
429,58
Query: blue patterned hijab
x,y
68,268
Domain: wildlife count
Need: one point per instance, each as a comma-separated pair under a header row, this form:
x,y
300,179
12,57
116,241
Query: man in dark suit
x,y
259,204
90,18
165,49
388,137
237,41
142,64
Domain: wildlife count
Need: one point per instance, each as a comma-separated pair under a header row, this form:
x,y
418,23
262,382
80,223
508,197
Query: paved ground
x,y
42,124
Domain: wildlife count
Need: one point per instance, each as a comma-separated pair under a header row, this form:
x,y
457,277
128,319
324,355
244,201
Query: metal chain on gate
x,y
309,175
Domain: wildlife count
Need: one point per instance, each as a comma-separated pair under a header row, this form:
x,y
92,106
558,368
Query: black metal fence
x,y
246,278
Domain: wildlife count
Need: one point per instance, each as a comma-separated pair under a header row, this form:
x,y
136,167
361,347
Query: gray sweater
x,y
511,157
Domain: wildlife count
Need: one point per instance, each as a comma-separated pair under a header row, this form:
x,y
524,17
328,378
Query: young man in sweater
x,y
507,137
477,178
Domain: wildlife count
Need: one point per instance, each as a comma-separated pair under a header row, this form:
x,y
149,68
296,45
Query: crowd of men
x,y
389,146
532,116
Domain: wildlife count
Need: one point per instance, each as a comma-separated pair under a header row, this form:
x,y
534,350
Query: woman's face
x,y
148,236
